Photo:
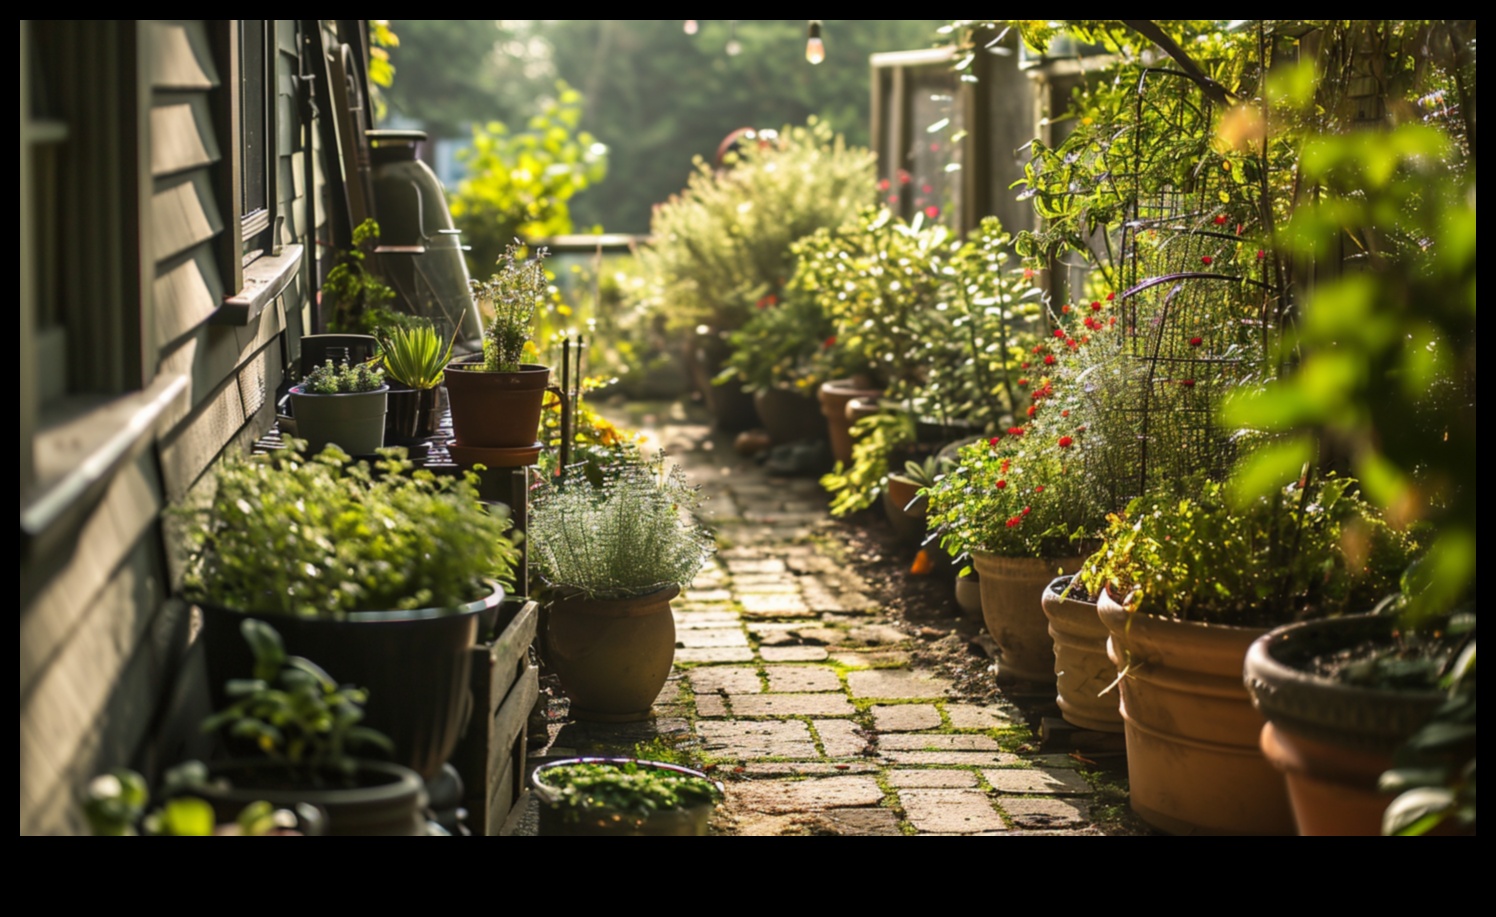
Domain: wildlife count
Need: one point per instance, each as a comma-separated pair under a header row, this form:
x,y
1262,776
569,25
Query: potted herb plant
x,y
615,553
623,797
340,404
380,570
414,358
496,402
1185,585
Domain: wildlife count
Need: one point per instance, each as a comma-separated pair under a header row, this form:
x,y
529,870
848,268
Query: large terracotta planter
x,y
1192,759
1085,676
834,396
612,655
1012,609
496,410
1332,741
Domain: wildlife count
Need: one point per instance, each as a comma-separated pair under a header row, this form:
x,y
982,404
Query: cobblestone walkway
x,y
800,694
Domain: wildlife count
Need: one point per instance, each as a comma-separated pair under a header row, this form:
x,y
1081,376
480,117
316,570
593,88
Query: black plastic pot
x,y
414,415
384,800
414,664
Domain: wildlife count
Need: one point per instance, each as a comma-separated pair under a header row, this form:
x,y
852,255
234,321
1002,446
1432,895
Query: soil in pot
x,y
1085,676
612,655
1012,608
1192,734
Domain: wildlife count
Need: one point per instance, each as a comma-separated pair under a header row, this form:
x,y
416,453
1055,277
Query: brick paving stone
x,y
802,769
811,794
857,603
949,758
708,595
686,619
702,638
722,679
774,606
1037,781
778,587
883,658
888,683
1045,813
876,635
715,654
873,821
971,716
755,565
802,679
711,706
937,742
793,653
950,811
905,717
770,739
819,636
791,705
932,779
840,738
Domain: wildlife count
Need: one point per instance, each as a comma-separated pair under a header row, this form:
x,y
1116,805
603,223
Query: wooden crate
x,y
491,756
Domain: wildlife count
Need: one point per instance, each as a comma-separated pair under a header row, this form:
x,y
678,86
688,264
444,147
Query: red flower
x,y
829,342
1205,259
1261,254
1027,510
1073,344
1065,413
932,211
1111,296
1049,359
1196,342
926,189
1014,522
1015,431
1188,383
1065,309
992,442
883,184
1028,273
1039,489
1220,219
1002,485
1039,349
1023,383
1059,332
1031,409
1066,442
1111,322
1096,306
1006,463
1026,365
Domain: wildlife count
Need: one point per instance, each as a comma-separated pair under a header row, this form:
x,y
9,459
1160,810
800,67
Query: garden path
x,y
803,694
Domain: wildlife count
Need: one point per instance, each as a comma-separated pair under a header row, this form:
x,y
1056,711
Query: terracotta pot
x,y
496,410
788,415
834,396
353,420
1012,609
1082,669
1332,741
906,510
688,821
612,655
1192,759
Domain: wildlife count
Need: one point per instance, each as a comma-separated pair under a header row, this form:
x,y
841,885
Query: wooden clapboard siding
x,y
182,55
184,215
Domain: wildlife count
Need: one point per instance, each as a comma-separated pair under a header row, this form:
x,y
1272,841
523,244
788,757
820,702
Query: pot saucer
x,y
501,457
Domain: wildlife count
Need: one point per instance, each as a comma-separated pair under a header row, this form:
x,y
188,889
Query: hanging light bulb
x,y
815,49
692,27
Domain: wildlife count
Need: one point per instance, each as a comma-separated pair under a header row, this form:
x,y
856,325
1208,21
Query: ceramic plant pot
x,y
353,420
1012,609
1331,740
384,800
906,510
415,665
612,655
1085,676
496,410
1193,765
687,821
788,415
834,396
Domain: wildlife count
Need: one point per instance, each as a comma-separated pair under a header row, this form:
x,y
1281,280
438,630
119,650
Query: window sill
x,y
81,446
264,279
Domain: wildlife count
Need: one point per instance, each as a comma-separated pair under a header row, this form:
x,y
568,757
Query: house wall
x,y
151,254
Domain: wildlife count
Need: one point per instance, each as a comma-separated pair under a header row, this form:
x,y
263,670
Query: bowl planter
x,y
788,415
1193,763
1012,609
386,800
415,664
834,396
1084,675
556,820
353,420
612,655
496,410
1331,740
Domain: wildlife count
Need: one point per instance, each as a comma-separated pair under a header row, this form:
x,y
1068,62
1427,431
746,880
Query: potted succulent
x,y
380,570
496,401
614,554
414,358
340,404
1185,585
623,797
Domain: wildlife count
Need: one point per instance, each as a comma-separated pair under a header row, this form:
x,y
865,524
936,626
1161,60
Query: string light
x,y
815,48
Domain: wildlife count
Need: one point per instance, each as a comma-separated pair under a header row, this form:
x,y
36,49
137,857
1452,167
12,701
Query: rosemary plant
x,y
512,295
343,379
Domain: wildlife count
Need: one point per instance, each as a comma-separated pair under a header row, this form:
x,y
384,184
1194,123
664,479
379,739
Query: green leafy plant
x,y
357,299
629,790
343,379
325,536
629,535
511,297
295,714
1313,549
117,804
414,356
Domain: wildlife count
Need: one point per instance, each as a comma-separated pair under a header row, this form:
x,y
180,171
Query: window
x,y
255,66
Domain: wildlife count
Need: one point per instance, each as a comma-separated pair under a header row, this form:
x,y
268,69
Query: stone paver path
x,y
798,693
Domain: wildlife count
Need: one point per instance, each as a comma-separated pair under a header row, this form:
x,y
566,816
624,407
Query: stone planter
x,y
1085,676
